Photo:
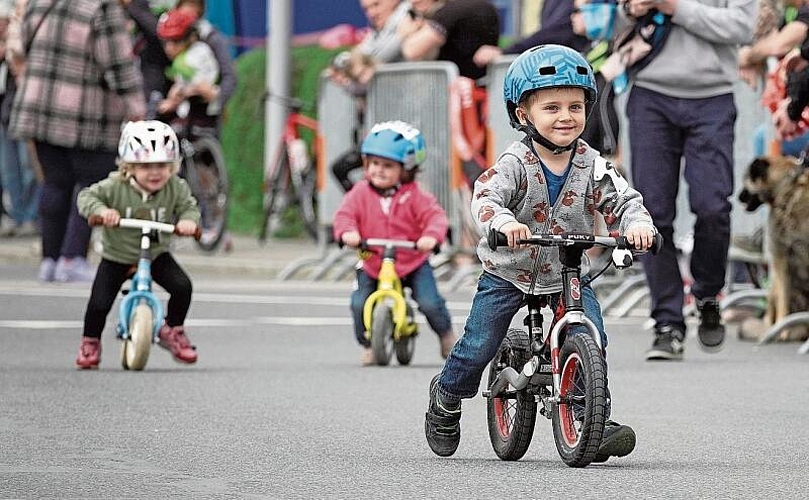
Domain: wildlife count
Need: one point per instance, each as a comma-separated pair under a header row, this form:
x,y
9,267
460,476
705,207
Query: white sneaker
x,y
47,270
75,269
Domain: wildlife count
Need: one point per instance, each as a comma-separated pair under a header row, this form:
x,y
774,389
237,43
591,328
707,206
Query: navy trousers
x,y
668,137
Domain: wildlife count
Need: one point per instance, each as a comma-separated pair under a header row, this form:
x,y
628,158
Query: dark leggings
x,y
166,272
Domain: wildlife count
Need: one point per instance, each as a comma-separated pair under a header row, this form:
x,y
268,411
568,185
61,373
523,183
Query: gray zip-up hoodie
x,y
514,189
699,59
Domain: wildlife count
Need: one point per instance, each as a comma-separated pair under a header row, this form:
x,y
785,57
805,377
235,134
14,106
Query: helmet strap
x,y
531,131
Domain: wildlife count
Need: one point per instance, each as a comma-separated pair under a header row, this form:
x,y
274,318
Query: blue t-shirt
x,y
555,182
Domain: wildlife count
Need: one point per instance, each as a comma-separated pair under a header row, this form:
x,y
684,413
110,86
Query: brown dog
x,y
783,184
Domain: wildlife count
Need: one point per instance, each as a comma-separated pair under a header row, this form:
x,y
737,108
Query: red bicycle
x,y
291,183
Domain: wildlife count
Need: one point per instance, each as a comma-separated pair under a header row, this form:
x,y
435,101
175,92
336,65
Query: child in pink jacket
x,y
388,203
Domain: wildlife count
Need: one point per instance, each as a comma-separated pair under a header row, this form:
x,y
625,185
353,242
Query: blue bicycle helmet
x,y
545,67
397,141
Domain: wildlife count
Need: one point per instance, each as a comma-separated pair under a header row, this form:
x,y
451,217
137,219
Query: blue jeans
x,y
494,306
423,290
18,179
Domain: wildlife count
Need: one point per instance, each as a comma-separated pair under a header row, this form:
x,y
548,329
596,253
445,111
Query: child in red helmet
x,y
193,65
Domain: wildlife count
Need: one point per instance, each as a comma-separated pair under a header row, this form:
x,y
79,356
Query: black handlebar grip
x,y
657,244
496,239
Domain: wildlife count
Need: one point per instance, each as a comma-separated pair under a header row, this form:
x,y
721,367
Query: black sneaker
x,y
667,346
618,441
711,331
442,425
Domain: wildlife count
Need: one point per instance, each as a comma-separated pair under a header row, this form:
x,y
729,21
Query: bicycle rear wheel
x,y
209,180
512,415
578,418
305,193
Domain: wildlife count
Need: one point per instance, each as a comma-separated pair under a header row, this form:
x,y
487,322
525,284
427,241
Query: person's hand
x,y
750,75
515,231
785,128
209,92
185,227
111,217
167,105
426,244
351,239
641,238
486,54
408,26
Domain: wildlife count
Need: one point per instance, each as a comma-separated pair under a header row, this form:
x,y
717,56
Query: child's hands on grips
x,y
426,244
110,217
351,239
515,231
185,228
641,237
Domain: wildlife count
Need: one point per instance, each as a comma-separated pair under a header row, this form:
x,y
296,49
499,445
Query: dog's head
x,y
761,179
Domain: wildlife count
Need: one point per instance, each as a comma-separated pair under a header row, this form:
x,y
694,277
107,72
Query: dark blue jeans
x,y
663,131
423,290
494,306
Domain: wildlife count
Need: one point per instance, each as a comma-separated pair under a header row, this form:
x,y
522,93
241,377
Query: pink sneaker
x,y
89,354
176,341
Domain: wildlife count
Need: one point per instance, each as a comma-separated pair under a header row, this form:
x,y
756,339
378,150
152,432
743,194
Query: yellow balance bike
x,y
388,313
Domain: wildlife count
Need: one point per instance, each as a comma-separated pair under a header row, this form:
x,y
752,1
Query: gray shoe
x,y
75,269
668,344
442,425
47,269
618,441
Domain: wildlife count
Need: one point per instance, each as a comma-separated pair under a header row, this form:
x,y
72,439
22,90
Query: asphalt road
x,y
278,407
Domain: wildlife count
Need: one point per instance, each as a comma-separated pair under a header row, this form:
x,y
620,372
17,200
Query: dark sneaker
x,y
618,441
442,425
667,346
89,354
711,331
176,341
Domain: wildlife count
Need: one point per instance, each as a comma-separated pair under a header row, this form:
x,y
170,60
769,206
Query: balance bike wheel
x,y
511,416
135,349
406,345
578,418
382,334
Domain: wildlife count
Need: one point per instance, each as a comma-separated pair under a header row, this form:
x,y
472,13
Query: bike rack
x,y
620,293
790,320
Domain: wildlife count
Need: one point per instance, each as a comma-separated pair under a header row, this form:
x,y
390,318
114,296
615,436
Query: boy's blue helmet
x,y
544,67
397,141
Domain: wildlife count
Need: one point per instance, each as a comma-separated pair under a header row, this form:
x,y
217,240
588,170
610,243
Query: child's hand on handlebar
x,y
515,231
111,217
351,239
186,227
426,244
641,237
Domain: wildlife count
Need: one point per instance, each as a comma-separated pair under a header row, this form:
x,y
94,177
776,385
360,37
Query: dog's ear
x,y
758,169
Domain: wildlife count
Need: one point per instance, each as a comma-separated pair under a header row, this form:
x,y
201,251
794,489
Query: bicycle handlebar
x,y
497,239
385,242
162,227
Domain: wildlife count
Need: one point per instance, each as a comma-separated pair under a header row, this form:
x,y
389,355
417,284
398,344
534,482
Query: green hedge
x,y
243,132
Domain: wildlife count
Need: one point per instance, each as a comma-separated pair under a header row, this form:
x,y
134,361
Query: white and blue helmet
x,y
397,141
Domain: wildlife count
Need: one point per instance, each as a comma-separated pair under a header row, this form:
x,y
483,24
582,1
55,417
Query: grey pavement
x,y
244,254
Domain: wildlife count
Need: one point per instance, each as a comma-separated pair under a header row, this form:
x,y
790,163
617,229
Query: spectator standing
x,y
681,108
18,179
450,30
152,60
79,85
354,69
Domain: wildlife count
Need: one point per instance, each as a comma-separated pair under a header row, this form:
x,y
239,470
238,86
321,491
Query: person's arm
x,y
15,53
112,49
732,24
776,44
423,44
227,73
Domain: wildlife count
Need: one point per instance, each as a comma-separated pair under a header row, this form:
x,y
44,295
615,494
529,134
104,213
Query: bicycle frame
x,y
389,288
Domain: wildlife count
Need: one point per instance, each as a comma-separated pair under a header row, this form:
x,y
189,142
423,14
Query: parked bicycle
x,y
140,313
562,368
388,312
291,180
203,167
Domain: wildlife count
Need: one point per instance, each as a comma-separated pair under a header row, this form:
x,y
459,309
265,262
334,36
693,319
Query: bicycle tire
x,y
578,418
511,416
382,334
273,202
405,347
209,182
136,347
